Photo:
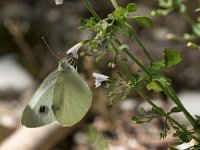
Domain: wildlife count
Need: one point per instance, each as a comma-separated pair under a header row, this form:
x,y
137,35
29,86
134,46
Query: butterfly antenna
x,y
49,47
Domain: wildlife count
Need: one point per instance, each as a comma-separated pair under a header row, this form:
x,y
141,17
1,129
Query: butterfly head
x,y
63,63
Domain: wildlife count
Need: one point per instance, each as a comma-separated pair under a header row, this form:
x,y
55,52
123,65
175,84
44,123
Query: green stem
x,y
164,114
90,8
127,71
169,91
137,39
132,57
137,62
157,108
175,99
114,3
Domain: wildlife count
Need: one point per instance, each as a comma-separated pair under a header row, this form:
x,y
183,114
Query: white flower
x,y
59,2
99,78
74,49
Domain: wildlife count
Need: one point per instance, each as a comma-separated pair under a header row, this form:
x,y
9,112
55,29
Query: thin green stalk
x,y
168,91
137,39
114,3
164,114
137,62
132,57
93,12
127,71
116,51
157,108
161,111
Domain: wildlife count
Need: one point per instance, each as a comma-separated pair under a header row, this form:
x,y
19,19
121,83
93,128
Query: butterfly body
x,y
63,97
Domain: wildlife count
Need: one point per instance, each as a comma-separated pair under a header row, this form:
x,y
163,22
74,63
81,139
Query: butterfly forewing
x,y
39,111
72,97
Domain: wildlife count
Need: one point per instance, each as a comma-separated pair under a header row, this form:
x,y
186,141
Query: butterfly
x,y
63,97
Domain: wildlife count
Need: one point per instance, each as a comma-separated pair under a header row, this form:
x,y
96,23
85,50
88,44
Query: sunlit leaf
x,y
131,7
154,86
172,57
144,21
175,110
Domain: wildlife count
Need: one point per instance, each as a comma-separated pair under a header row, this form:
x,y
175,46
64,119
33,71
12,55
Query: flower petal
x,y
97,84
74,49
99,78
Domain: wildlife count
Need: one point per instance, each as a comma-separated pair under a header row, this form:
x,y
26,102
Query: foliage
x,y
169,6
151,77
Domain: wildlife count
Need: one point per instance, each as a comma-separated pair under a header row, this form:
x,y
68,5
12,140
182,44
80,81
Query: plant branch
x,y
164,114
114,3
93,12
137,39
169,91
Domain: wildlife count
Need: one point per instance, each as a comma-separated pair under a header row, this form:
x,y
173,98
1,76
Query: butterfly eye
x,y
43,109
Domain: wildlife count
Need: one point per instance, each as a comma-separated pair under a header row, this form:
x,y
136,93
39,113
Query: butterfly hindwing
x,y
39,111
72,97
63,97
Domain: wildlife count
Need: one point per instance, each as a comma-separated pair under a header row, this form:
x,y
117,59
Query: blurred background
x,y
25,61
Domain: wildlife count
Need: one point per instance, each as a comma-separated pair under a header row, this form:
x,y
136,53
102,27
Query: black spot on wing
x,y
43,109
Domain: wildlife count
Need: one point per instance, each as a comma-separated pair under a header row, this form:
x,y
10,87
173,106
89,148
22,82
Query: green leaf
x,y
196,29
154,86
184,136
119,13
109,46
157,67
131,7
175,110
178,5
142,20
172,57
136,120
123,46
192,45
198,9
161,12
182,8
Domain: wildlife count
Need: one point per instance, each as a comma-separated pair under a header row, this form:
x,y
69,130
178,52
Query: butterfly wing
x,y
72,97
39,110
